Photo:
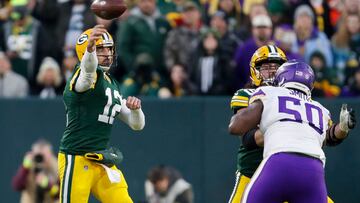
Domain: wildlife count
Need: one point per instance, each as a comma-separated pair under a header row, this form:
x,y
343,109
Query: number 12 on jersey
x,y
106,117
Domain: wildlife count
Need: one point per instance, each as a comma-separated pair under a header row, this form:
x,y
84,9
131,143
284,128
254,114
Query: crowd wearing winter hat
x,y
186,47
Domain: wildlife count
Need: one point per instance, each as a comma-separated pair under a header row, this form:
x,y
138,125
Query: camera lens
x,y
38,158
37,170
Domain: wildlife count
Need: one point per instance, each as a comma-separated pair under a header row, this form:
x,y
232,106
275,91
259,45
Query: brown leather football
x,y
108,9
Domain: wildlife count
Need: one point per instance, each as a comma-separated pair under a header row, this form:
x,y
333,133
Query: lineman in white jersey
x,y
295,110
294,128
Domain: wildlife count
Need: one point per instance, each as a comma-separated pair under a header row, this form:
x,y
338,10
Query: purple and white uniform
x,y
294,129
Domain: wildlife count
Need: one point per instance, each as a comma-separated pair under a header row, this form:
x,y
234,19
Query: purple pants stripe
x,y
287,177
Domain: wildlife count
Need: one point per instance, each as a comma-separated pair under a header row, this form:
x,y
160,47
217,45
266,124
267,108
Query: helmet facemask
x,y
266,70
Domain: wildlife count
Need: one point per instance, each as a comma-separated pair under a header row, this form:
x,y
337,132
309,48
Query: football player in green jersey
x,y
92,101
263,65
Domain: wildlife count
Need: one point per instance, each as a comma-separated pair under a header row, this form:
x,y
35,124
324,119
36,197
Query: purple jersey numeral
x,y
309,107
284,109
296,114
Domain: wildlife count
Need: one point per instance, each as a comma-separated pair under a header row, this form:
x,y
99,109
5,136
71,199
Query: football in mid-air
x,y
108,9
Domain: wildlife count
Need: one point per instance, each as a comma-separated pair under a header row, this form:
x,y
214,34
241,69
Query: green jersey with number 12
x,y
90,114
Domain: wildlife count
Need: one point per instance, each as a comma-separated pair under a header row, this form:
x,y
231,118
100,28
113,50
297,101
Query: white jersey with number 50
x,y
291,122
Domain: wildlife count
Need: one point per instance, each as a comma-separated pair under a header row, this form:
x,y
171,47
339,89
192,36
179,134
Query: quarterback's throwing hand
x,y
347,118
96,34
133,103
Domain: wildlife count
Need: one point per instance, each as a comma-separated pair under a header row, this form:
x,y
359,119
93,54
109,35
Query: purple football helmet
x,y
296,75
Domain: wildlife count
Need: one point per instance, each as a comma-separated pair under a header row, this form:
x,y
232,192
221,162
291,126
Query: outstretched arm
x,y
246,119
89,61
338,132
132,114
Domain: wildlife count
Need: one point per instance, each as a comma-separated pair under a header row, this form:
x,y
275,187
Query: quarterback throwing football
x,y
93,101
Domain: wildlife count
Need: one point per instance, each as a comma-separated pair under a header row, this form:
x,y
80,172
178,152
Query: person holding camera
x,y
165,184
37,177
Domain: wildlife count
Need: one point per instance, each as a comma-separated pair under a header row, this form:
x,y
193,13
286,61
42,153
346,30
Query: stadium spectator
x,y
228,40
62,22
326,79
75,17
278,11
351,6
321,9
165,184
183,40
144,31
169,8
253,9
353,25
37,177
49,79
68,63
12,85
309,38
51,28
5,10
285,37
142,79
346,45
211,67
18,38
261,35
231,9
180,84
353,89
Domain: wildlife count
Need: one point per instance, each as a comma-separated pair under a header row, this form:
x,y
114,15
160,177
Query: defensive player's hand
x,y
96,34
133,103
347,118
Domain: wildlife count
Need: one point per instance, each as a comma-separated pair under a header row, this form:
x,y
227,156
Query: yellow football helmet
x,y
83,40
265,54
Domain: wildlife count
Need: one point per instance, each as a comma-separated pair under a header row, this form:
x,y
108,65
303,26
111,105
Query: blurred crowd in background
x,y
175,48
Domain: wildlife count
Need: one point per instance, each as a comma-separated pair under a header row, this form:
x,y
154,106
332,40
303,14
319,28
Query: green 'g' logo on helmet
x,y
82,39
